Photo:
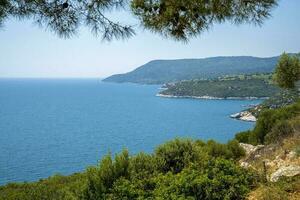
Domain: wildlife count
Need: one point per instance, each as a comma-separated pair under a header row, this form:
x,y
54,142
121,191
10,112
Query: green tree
x,y
180,19
64,17
287,71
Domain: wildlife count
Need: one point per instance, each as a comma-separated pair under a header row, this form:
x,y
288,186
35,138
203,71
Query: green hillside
x,y
163,71
236,86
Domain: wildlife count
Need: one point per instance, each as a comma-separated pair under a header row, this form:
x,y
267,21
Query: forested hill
x,y
251,86
163,71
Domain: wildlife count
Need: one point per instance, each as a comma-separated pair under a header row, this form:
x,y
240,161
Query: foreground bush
x,y
219,179
57,187
179,169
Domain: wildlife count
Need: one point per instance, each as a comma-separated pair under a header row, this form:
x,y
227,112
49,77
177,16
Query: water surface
x,y
62,126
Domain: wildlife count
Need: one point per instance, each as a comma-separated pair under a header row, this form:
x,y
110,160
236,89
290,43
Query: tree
x,y
182,19
287,71
64,17
179,19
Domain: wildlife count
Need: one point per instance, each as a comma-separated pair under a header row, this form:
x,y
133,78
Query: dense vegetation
x,y
281,99
233,86
184,19
178,169
287,72
272,125
164,71
172,18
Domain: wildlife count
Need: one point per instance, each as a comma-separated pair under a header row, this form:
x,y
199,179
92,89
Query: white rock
x,y
292,155
257,156
289,171
245,165
250,148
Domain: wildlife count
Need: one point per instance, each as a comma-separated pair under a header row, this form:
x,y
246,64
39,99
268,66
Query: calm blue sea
x,y
50,126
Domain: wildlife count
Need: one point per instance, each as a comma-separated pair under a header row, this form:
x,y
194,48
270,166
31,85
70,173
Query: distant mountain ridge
x,y
163,71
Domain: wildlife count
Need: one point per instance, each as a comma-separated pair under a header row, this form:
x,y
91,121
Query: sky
x,y
27,50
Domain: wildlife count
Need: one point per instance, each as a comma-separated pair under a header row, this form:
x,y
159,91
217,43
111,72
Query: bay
x,y
50,126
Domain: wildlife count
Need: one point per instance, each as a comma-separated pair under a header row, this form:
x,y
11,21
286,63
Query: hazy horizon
x,y
100,78
37,53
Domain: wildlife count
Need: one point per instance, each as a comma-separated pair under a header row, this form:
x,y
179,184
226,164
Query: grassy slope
x,y
285,188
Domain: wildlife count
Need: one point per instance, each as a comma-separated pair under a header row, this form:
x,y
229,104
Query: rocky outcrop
x,y
278,163
288,171
249,148
244,116
252,153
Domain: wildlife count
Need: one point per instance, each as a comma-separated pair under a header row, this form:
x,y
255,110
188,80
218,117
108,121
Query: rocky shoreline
x,y
243,115
186,97
210,97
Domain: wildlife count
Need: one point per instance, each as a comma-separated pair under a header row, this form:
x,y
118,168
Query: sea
x,y
62,126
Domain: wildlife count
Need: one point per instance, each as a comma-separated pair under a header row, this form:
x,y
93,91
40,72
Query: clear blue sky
x,y
29,51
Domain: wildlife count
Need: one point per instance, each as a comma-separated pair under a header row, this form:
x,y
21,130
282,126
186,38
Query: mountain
x,y
163,71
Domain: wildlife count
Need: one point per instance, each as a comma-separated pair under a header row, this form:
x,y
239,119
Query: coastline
x,y
210,97
243,115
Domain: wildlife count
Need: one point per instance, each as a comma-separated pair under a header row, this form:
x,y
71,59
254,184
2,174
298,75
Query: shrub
x,y
236,150
269,120
101,179
281,130
175,155
220,179
243,137
215,149
231,150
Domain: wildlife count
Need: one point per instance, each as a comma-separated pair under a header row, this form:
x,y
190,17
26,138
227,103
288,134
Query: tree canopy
x,y
182,19
64,17
287,72
179,19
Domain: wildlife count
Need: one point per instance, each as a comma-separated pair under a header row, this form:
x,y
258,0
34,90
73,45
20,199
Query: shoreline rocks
x,y
209,97
244,116
187,97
